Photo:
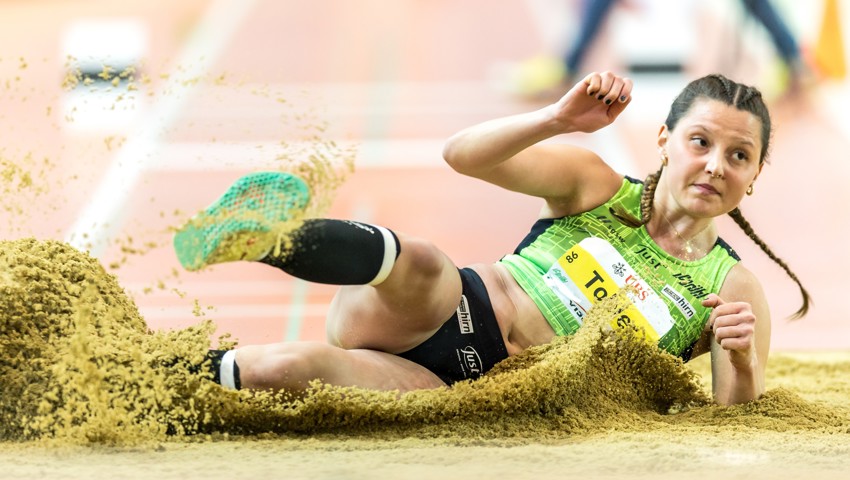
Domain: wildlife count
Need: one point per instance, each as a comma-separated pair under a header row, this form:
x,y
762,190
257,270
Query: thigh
x,y
292,366
470,343
421,293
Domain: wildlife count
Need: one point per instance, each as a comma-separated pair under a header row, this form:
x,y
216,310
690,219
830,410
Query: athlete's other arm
x,y
739,338
571,179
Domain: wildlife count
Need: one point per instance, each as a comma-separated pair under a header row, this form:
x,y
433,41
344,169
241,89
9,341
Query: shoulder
x,y
741,285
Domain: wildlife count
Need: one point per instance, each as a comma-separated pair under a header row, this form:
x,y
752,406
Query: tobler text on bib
x,y
593,270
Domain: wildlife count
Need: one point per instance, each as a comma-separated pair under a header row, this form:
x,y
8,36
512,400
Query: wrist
x,y
744,362
553,122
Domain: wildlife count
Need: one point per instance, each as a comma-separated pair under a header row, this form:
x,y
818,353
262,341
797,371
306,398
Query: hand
x,y
594,102
733,325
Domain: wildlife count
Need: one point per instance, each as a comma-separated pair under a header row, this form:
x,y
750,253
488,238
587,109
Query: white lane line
x,y
103,214
203,156
243,288
407,153
276,311
297,309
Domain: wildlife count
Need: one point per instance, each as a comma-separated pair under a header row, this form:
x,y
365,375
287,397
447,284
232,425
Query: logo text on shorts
x,y
470,362
464,316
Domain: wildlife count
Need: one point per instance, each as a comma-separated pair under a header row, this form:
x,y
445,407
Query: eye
x,y
699,142
740,155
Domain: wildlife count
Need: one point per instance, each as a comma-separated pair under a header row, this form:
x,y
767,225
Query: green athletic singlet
x,y
567,264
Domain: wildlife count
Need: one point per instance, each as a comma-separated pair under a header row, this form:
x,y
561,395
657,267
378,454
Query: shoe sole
x,y
245,223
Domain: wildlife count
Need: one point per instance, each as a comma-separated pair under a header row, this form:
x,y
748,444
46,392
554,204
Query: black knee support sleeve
x,y
339,252
224,369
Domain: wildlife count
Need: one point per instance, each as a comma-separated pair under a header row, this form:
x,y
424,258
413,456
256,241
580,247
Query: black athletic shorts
x,y
469,343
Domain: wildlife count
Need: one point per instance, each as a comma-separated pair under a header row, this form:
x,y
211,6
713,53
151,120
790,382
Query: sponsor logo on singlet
x,y
470,361
464,316
593,270
649,256
692,287
609,224
679,300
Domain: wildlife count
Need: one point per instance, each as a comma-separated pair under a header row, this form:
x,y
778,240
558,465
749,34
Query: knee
x,y
421,258
285,366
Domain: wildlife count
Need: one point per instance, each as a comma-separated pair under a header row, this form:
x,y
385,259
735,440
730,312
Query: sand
x,y
87,391
734,450
608,455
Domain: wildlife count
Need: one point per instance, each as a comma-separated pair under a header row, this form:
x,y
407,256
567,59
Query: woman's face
x,y
713,157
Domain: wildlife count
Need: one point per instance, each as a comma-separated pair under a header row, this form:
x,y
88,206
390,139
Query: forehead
x,y
722,119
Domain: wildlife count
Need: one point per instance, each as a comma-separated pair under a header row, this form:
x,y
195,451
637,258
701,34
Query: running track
x,y
397,78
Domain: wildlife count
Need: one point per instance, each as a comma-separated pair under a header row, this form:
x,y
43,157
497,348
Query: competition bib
x,y
593,270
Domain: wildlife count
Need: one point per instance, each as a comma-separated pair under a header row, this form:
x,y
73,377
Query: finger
x,y
617,108
731,309
593,82
605,87
736,344
740,335
713,300
745,319
626,91
733,327
614,91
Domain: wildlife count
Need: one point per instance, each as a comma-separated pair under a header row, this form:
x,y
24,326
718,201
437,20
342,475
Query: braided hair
x,y
743,97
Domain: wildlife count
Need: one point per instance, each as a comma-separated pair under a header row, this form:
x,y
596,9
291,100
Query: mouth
x,y
706,188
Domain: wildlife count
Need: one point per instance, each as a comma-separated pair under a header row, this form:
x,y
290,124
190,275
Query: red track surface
x,y
387,74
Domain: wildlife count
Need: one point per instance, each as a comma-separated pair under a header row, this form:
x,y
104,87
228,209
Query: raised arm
x,y
505,151
740,338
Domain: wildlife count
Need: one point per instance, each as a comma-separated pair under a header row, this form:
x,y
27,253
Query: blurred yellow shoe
x,y
783,82
536,76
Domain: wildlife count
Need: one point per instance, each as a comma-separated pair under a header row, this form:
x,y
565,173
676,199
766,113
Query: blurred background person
x,y
543,74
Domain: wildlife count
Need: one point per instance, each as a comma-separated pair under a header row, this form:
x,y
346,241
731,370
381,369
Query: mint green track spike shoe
x,y
245,223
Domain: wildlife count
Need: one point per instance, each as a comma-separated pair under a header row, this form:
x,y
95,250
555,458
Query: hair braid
x,y
748,95
728,87
646,199
748,230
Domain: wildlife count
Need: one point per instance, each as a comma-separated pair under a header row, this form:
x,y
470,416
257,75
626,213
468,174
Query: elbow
x,y
452,156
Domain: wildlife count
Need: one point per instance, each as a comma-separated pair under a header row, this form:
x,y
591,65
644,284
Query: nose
x,y
714,166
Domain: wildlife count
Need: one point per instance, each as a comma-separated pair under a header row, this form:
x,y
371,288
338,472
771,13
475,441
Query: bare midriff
x,y
520,321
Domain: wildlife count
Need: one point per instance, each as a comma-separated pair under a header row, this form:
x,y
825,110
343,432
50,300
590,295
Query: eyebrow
x,y
740,139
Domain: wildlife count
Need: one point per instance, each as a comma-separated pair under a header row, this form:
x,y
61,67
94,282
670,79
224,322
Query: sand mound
x,y
78,365
77,360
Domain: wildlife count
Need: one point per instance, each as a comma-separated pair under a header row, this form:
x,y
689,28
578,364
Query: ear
x,y
761,165
662,136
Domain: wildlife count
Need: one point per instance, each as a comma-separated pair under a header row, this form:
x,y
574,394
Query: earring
x,y
750,190
663,159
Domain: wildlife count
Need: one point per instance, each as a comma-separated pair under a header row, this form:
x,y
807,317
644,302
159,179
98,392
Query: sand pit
x,y
88,391
697,454
732,449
